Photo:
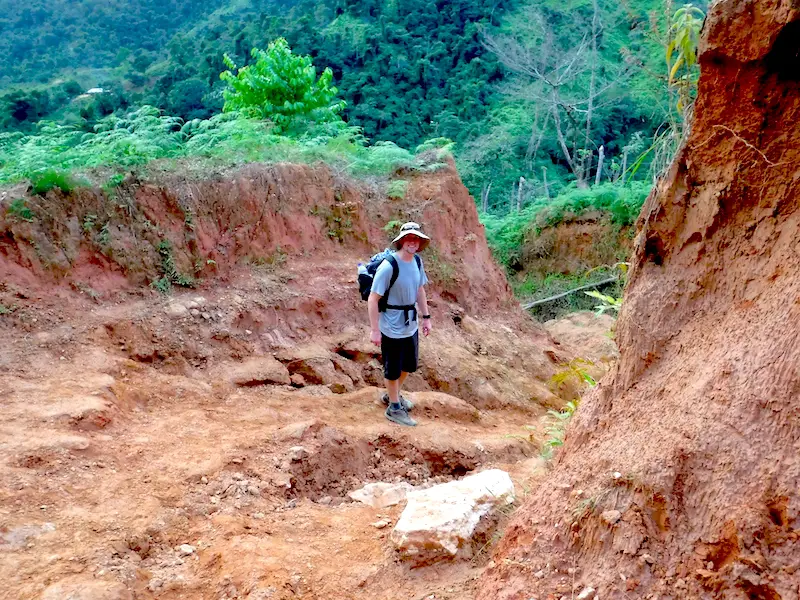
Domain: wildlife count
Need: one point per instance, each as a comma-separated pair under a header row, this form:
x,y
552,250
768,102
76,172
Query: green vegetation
x,y
537,287
143,135
169,272
573,374
557,428
606,302
18,209
506,233
459,70
550,108
397,189
50,179
281,87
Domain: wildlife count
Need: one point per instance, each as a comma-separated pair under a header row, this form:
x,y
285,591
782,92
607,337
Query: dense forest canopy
x,y
531,92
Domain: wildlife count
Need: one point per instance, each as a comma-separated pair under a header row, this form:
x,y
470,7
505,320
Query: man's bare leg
x,y
393,389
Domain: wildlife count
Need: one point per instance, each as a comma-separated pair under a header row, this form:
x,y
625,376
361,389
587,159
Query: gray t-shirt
x,y
392,323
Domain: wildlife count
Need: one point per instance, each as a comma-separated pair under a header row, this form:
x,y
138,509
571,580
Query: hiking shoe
x,y
407,404
400,417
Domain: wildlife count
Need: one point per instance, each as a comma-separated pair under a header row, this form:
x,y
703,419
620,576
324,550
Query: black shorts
x,y
401,354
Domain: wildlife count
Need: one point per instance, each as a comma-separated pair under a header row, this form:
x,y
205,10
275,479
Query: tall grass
x,y
145,134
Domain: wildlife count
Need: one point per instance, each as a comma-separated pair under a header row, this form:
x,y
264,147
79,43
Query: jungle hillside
x,y
550,109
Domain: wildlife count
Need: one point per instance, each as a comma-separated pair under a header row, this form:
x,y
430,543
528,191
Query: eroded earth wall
x,y
680,476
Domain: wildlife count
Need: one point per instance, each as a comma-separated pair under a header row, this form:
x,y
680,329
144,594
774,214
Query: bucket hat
x,y
411,228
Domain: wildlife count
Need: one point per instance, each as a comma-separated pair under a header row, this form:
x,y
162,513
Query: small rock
x,y
205,315
214,500
254,490
610,517
204,480
248,332
381,524
176,309
194,312
648,559
155,584
326,500
587,594
259,515
380,495
281,479
337,388
292,503
539,574
297,380
185,549
297,453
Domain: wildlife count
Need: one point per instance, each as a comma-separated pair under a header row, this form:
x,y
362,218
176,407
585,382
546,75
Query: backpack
x,y
366,275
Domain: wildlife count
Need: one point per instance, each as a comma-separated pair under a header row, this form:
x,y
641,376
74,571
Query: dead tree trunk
x,y
600,156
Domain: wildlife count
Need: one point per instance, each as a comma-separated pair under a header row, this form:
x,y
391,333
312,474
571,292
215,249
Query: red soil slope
x,y
680,477
259,215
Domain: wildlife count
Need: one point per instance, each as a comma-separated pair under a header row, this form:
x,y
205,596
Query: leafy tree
x,y
282,87
684,38
188,98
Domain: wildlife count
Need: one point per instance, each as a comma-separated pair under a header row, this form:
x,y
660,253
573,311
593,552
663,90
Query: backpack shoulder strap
x,y
395,272
419,261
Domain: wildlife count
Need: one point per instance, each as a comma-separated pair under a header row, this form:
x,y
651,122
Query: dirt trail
x,y
112,459
135,425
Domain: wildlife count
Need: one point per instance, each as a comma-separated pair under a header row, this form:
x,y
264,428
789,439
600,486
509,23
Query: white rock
x,y
381,524
586,594
440,521
380,495
185,549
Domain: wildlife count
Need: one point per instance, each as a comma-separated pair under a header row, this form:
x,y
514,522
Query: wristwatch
x,y
426,316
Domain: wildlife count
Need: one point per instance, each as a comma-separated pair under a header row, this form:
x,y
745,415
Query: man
x,y
393,321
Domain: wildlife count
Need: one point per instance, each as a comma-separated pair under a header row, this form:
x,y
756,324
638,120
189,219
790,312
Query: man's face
x,y
411,244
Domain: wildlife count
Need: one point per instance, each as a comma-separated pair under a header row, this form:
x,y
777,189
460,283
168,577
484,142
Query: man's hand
x,y
426,327
375,337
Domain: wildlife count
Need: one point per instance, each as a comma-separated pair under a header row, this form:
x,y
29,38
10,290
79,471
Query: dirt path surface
x,y
202,443
135,428
113,458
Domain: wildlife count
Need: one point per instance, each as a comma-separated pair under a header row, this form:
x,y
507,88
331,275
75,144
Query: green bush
x,y
50,179
397,189
506,234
